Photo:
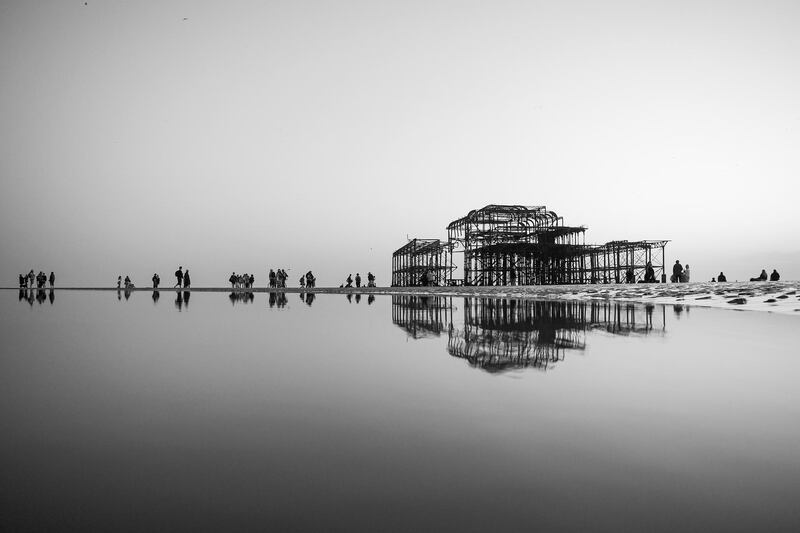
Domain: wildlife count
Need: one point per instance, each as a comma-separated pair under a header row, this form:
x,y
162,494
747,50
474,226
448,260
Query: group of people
x,y
680,274
241,281
26,281
349,280
763,276
128,283
277,279
308,281
182,277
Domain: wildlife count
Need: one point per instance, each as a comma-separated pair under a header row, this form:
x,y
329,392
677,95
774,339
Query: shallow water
x,y
225,412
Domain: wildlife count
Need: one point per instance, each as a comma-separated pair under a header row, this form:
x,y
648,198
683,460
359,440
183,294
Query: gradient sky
x,y
318,135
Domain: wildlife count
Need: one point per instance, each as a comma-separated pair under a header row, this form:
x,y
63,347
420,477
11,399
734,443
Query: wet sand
x,y
775,297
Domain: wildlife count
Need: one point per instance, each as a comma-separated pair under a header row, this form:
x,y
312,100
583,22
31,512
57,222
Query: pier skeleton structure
x,y
522,245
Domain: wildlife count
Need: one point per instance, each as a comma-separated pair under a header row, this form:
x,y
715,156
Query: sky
x,y
136,137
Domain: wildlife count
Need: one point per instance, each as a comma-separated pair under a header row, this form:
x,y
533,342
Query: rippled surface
x,y
210,411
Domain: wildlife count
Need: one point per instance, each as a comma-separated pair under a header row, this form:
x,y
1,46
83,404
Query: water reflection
x,y
52,296
498,334
277,298
156,296
241,297
307,297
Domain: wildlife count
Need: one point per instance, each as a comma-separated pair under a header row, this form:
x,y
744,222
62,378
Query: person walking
x,y
187,281
179,276
349,280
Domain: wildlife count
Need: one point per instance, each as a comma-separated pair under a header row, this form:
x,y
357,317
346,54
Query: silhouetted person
x,y
774,276
22,282
761,277
119,282
677,270
52,279
649,273
127,282
686,276
127,293
187,281
302,282
21,294
721,278
358,280
358,298
156,280
232,279
179,276
41,296
272,278
251,280
630,277
349,280
31,277
370,279
713,280
156,296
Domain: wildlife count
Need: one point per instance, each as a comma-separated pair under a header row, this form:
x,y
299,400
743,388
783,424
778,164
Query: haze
x,y
221,136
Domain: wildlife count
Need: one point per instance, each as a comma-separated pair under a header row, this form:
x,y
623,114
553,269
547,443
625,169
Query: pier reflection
x,y
497,334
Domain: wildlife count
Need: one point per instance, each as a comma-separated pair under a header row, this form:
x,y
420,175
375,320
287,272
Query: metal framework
x,y
422,262
524,245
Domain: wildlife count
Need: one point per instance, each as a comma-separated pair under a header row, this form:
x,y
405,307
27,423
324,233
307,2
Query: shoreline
x,y
771,296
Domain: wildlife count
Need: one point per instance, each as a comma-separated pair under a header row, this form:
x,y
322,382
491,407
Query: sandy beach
x,y
773,297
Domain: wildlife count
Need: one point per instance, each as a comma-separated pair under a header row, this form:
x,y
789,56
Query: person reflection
x,y
370,299
119,294
282,300
52,296
349,298
179,300
127,293
272,299
21,295
358,298
678,309
310,298
186,295
156,296
41,296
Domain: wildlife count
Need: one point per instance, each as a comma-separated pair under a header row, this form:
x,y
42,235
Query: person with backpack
x,y
179,277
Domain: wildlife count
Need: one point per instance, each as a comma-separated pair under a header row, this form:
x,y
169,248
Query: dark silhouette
x,y
156,296
41,296
273,298
156,280
424,280
178,300
358,280
179,276
127,293
370,299
685,277
358,298
713,280
23,281
310,298
302,281
761,277
349,281
774,276
721,278
52,279
349,297
272,279
52,296
119,282
233,279
251,281
187,281
677,270
370,279
128,283
186,295
311,281
630,277
649,273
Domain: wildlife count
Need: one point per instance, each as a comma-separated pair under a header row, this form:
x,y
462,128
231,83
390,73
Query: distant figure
x,y
311,281
761,277
685,276
721,278
156,280
251,280
23,282
772,277
370,279
179,277
677,270
187,281
713,280
31,277
233,279
302,282
349,280
630,277
53,279
272,278
128,282
119,282
358,280
649,273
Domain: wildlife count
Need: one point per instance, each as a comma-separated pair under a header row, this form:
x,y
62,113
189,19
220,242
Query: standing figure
x,y
187,281
358,279
31,277
119,282
349,280
52,279
156,281
677,270
686,274
302,282
179,277
23,283
127,282
370,279
271,278
649,273
251,280
232,279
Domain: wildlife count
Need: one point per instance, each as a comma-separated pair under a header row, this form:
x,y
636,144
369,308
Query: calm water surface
x,y
275,412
